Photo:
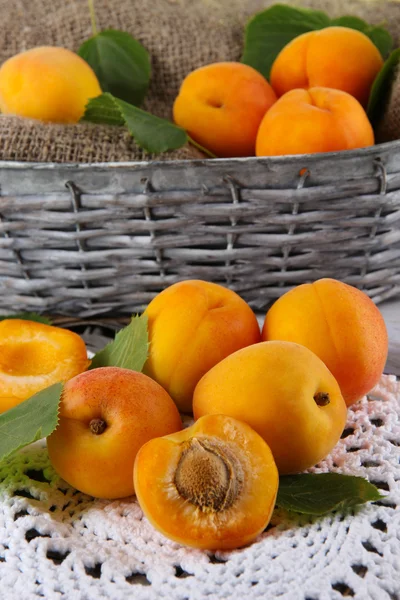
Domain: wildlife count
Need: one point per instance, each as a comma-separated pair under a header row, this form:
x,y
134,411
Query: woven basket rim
x,y
277,160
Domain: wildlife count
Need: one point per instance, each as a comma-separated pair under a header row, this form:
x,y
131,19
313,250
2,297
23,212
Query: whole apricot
x,y
284,392
193,325
210,486
338,322
315,120
106,415
334,57
48,83
221,106
33,356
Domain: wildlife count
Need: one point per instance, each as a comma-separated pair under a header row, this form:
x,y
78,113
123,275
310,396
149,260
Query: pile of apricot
x,y
264,402
315,100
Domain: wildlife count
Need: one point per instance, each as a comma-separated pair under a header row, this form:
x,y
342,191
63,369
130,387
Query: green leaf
x,y
121,63
29,316
29,421
129,349
317,494
381,38
150,132
381,87
269,31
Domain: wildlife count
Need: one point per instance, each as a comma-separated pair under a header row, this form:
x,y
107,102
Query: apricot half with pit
x,y
210,486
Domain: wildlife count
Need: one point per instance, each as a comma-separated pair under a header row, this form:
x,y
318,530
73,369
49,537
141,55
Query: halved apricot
x,y
33,356
210,486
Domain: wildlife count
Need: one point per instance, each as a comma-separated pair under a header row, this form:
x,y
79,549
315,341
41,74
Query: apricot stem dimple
x,y
322,398
208,474
97,426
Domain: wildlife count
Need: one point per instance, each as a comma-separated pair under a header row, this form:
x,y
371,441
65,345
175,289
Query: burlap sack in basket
x,y
180,36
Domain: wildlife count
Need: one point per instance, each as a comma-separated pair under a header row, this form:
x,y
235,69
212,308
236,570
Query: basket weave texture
x,y
90,239
84,239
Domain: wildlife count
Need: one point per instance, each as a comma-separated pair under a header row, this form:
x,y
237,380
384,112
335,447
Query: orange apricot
x,y
338,322
48,83
193,325
334,57
315,120
285,393
34,356
106,415
221,106
210,486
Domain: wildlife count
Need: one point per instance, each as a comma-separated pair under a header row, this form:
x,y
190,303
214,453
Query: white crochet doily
x,y
58,543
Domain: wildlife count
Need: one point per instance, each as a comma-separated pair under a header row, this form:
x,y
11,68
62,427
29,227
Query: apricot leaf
x,y
150,132
381,87
29,316
268,32
129,349
29,421
121,63
317,494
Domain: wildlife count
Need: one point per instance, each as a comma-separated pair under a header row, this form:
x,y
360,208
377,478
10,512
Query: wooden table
x,y
391,314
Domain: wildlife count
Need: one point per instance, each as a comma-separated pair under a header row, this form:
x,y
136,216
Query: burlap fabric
x,y
180,36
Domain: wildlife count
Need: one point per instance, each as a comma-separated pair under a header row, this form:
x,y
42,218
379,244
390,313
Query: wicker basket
x,y
105,238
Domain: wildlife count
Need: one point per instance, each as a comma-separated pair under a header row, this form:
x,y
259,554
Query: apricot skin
x,y
221,106
47,83
192,326
177,518
334,57
134,408
33,356
341,325
319,119
271,387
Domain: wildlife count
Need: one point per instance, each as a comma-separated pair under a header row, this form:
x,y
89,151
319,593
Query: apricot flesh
x,y
47,83
106,415
33,356
338,322
210,486
285,393
334,57
193,325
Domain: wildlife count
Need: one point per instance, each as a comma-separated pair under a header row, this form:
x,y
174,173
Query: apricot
x,y
338,322
193,325
34,356
210,486
221,106
283,391
315,120
334,57
106,415
47,83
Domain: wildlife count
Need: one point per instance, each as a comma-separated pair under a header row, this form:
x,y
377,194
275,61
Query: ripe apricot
x,y
34,356
47,83
210,486
221,106
284,392
106,415
315,120
334,57
193,325
340,324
